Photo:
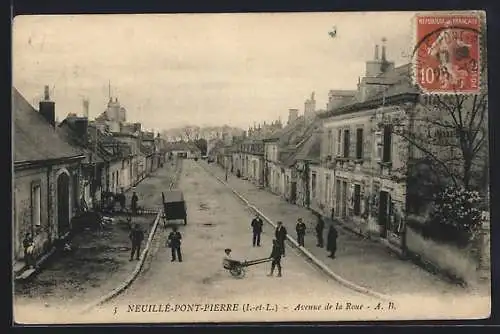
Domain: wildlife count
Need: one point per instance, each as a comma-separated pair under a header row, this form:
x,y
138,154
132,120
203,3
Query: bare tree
x,y
449,131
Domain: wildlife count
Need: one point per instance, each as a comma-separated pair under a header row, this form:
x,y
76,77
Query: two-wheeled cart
x,y
237,268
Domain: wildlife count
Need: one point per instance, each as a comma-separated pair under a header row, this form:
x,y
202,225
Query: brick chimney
x,y
47,108
81,125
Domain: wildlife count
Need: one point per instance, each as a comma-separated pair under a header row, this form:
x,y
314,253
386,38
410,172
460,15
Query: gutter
x,y
19,165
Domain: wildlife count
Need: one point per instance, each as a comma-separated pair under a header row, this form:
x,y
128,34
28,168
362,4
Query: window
x,y
378,145
339,142
36,210
329,143
327,189
313,185
359,144
357,199
346,143
387,143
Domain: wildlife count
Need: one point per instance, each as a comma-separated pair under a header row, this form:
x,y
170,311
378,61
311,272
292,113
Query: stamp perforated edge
x,y
481,40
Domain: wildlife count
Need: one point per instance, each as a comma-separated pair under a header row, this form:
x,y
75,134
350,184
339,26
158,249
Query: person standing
x,y
276,254
136,236
133,202
280,235
300,228
332,241
320,226
28,250
257,230
174,242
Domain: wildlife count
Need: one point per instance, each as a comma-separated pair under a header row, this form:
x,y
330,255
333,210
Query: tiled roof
x,y
34,138
181,146
66,133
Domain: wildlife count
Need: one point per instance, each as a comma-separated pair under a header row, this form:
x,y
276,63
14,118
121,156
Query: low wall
x,y
458,264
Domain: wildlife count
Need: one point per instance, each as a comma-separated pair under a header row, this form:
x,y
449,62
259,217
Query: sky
x,y
172,70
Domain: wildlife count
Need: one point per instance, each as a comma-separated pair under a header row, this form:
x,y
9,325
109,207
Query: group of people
x,y
173,242
300,229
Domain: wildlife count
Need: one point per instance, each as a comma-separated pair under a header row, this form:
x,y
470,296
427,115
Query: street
x,y
217,220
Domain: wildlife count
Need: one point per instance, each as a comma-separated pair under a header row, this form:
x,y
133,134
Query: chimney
x,y
293,114
81,125
86,108
376,52
47,108
383,49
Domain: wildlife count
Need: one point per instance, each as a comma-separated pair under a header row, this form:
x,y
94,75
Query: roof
x,y
181,146
401,86
34,138
307,149
69,135
172,196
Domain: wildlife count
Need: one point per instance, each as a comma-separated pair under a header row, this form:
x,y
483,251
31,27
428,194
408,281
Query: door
x,y
62,204
344,199
293,192
383,216
337,198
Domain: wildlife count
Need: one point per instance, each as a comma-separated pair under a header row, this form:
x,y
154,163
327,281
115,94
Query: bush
x,y
458,208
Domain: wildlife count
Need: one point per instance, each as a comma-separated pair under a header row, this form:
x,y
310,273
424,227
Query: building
x,y
361,170
47,173
75,131
183,149
280,149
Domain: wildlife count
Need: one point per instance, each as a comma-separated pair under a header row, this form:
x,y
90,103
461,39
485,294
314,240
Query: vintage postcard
x,y
284,167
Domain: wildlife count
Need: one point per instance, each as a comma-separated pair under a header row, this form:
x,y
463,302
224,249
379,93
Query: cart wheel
x,y
238,271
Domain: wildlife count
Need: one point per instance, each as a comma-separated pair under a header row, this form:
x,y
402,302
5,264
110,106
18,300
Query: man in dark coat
x,y
332,241
174,242
133,202
300,228
276,256
280,235
28,250
136,236
320,226
257,230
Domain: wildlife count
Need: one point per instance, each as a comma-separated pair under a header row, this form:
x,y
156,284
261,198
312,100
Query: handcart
x,y
237,268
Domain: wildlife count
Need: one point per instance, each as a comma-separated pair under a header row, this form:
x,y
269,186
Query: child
x,y
227,261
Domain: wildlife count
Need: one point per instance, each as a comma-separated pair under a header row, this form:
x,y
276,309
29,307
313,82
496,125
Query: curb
x,y
318,262
134,274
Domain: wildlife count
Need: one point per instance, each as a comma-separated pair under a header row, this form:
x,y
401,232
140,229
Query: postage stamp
x,y
448,53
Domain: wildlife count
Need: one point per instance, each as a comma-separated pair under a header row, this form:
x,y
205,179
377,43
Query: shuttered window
x,y
387,143
347,143
359,143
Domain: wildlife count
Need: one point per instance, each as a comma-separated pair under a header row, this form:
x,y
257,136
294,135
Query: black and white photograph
x,y
250,167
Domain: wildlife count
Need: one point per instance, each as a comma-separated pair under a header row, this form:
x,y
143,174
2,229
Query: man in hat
x,y
280,235
174,242
276,254
133,203
136,236
300,228
257,230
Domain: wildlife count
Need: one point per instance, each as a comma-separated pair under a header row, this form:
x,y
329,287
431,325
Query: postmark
x,y
447,54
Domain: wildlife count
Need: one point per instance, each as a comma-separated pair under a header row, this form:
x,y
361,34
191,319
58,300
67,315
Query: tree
x,y
202,145
451,133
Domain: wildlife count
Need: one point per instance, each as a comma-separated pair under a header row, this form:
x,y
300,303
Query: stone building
x,y
46,177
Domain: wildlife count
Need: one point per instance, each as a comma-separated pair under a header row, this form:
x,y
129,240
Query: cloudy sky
x,y
204,69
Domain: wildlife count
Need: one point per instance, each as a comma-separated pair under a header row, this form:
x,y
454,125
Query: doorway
x,y
62,204
383,216
344,199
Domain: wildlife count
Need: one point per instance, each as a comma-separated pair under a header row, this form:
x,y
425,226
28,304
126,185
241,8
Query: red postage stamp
x,y
448,53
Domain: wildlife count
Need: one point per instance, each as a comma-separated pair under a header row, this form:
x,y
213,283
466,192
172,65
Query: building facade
x,y
46,177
